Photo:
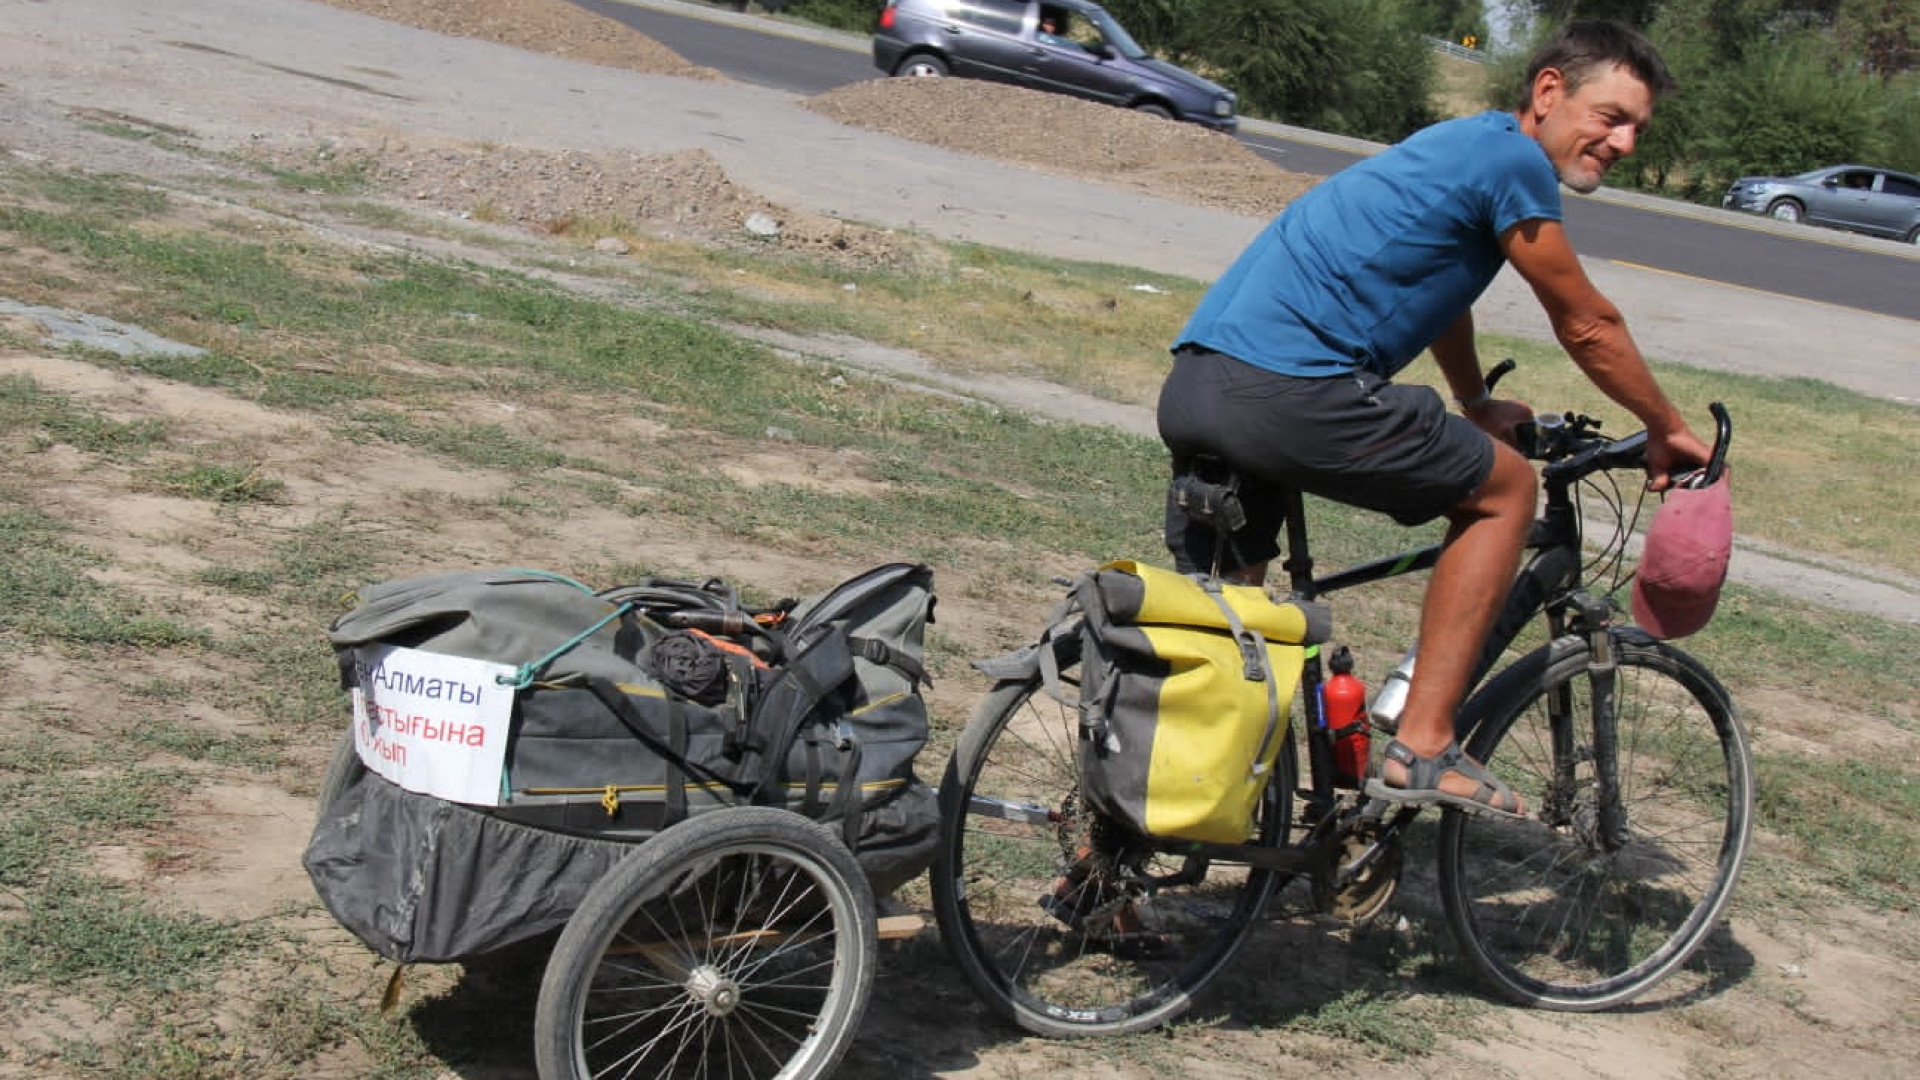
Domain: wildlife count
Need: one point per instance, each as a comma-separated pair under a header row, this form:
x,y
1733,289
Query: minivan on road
x,y
1063,46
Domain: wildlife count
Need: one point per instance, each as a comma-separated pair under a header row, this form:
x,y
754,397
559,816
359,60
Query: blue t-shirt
x,y
1370,265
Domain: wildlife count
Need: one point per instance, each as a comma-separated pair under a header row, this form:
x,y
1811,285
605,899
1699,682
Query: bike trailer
x,y
519,731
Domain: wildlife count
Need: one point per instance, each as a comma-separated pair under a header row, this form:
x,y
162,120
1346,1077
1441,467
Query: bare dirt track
x,y
1820,995
1041,131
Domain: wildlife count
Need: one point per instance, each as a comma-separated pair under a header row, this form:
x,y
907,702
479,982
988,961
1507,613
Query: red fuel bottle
x,y
1345,697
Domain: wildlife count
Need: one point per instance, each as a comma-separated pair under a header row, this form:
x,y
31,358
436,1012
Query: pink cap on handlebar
x,y
1684,562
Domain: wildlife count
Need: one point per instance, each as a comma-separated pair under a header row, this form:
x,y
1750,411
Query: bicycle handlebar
x,y
1573,447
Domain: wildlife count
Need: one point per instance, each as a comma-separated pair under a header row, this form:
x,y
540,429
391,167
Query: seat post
x,y
1299,564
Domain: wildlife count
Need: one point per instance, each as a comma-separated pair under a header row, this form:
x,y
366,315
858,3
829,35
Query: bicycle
x,y
1628,749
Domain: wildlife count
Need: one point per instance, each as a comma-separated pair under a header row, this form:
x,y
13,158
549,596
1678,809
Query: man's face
x,y
1586,131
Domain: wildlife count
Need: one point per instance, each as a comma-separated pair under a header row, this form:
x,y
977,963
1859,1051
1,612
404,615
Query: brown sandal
x,y
1491,798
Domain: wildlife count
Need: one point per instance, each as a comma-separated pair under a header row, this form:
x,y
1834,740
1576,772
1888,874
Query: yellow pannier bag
x,y
1187,686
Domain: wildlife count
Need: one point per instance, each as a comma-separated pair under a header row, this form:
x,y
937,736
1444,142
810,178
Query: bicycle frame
x,y
1544,584
1547,583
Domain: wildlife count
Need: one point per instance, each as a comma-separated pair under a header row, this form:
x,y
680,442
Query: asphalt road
x,y
1809,264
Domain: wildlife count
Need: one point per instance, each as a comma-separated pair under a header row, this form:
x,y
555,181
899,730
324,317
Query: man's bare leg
x,y
1464,594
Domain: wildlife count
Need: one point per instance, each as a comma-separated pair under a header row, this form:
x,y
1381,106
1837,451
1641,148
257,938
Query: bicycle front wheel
x,y
739,943
1061,926
1561,911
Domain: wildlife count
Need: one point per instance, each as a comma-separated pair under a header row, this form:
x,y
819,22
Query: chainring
x,y
1362,899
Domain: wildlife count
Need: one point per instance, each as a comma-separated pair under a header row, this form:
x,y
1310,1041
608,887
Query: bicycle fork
x,y
1609,822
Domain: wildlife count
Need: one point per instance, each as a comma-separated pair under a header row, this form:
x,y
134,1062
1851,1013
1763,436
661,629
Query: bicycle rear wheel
x,y
739,943
1061,926
1548,909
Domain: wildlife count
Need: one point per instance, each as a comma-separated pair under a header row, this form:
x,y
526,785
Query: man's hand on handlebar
x,y
1498,417
1673,454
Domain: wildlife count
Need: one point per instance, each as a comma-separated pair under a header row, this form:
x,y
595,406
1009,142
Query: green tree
x,y
1786,110
1450,20
1638,13
856,16
1883,34
1356,67
1772,87
1178,30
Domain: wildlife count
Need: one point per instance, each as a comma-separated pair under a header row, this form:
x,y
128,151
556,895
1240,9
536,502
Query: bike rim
x,y
1096,953
729,967
1552,911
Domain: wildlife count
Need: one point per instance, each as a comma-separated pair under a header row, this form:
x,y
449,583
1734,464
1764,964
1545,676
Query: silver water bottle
x,y
1392,695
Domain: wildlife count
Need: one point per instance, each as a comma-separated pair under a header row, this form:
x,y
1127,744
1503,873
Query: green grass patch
x,y
169,736
50,806
322,173
1387,1026
45,591
79,929
102,196
49,418
1851,822
221,483
487,446
1757,637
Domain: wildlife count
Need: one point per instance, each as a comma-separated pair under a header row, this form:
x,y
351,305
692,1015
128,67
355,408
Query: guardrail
x,y
1478,56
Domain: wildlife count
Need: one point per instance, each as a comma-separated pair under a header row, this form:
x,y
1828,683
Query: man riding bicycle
x,y
1283,372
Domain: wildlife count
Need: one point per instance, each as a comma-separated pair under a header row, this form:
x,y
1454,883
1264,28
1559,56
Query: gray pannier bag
x,y
634,708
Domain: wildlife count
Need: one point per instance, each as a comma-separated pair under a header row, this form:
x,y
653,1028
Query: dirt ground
x,y
1817,996
688,194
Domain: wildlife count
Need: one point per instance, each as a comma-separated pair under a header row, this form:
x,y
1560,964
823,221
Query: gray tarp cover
x,y
421,880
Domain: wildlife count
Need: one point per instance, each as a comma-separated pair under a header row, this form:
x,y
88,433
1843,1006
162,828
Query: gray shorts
x,y
1355,439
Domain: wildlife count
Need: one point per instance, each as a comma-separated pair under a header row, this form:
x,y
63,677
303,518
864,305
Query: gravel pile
x,y
688,196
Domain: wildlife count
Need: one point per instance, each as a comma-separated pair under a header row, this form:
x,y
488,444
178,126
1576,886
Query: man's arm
x,y
1594,333
1459,360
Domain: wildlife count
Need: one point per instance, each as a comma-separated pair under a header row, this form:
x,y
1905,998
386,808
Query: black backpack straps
x,y
879,652
676,777
845,803
811,803
820,668
847,796
623,709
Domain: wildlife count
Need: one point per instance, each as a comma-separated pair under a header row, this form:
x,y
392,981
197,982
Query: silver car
x,y
1858,198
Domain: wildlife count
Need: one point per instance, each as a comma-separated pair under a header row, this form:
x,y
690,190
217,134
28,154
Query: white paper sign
x,y
434,724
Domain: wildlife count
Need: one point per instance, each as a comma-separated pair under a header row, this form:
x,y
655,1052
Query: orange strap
x,y
728,645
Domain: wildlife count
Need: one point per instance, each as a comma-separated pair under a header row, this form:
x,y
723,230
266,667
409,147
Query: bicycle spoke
x,y
761,956
1060,929
1559,916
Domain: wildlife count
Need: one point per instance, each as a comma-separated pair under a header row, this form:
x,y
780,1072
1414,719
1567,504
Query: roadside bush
x,y
1899,128
1786,110
855,16
1352,67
